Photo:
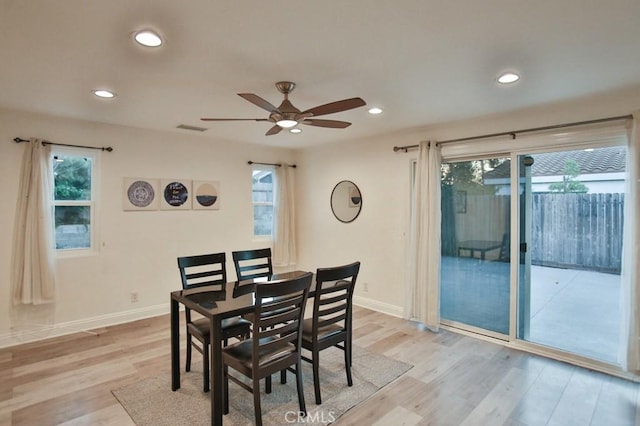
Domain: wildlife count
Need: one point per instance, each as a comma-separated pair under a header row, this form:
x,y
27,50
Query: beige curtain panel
x,y
423,288
32,272
284,233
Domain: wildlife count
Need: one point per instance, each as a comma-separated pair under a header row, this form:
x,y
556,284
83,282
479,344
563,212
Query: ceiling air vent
x,y
194,128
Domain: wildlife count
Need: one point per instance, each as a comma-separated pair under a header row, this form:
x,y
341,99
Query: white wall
x,y
138,249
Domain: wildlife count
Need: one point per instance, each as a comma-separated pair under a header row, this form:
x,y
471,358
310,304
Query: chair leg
x,y
267,384
316,376
256,402
347,364
205,367
303,407
188,364
225,372
283,376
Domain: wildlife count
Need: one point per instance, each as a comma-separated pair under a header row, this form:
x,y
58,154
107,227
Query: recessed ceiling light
x,y
508,77
375,111
148,38
106,94
588,150
296,130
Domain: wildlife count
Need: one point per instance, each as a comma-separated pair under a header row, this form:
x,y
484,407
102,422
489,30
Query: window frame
x,y
92,203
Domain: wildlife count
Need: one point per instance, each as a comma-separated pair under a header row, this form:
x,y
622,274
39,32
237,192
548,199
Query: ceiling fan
x,y
287,116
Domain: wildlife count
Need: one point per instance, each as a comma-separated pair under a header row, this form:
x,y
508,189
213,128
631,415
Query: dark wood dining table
x,y
216,303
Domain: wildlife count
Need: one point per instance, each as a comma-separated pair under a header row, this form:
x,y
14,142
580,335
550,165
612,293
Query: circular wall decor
x,y
140,193
206,195
176,194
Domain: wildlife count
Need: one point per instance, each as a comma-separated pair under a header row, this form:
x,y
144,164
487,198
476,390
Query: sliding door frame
x,y
579,138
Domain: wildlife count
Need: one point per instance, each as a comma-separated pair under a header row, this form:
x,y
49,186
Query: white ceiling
x,y
423,61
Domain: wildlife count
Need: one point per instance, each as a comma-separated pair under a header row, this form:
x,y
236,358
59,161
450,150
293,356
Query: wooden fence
x,y
577,231
580,231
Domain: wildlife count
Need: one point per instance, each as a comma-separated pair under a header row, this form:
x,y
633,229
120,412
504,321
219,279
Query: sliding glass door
x,y
475,268
571,216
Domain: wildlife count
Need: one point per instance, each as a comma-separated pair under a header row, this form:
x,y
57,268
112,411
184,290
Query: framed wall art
x,y
140,194
175,194
206,195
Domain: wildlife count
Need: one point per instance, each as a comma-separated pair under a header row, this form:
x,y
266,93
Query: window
x,y
73,198
262,196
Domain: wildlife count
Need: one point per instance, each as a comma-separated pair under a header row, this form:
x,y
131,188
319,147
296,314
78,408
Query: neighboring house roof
x,y
601,160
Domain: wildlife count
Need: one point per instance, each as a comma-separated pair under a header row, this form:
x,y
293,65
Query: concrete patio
x,y
573,310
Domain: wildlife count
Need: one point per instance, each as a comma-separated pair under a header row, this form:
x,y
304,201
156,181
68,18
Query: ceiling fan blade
x,y
257,100
274,130
334,124
234,119
337,106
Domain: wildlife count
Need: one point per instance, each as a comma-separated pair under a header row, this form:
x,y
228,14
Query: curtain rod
x,y
513,133
108,148
271,164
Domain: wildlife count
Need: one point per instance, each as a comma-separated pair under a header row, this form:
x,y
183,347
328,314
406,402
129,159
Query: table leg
x,y
217,380
175,346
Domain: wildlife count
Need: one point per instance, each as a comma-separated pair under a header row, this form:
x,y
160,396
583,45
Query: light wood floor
x,y
455,380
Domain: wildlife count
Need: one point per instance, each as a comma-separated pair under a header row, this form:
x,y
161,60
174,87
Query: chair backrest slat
x,y
334,309
278,313
201,270
324,322
251,264
334,296
331,300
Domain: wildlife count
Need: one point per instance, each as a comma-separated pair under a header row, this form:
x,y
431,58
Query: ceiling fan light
x,y
286,123
148,38
296,130
375,110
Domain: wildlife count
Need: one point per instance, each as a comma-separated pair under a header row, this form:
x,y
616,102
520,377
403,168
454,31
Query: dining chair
x,y
275,344
331,322
199,271
251,264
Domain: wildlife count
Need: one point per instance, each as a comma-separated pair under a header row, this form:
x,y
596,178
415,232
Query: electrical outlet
x,y
134,297
366,287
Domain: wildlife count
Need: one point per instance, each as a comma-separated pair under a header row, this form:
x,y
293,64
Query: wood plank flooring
x,y
456,379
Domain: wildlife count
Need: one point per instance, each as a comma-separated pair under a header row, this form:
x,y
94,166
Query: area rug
x,y
151,401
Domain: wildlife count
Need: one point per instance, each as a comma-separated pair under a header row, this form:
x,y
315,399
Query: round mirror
x,y
346,201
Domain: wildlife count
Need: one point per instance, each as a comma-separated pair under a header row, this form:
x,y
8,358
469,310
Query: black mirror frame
x,y
331,201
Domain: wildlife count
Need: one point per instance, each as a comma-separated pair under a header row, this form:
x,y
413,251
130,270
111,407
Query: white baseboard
x,y
35,333
32,333
385,308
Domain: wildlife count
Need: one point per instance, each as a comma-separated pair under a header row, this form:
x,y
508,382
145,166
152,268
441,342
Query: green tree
x,y
569,183
72,178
